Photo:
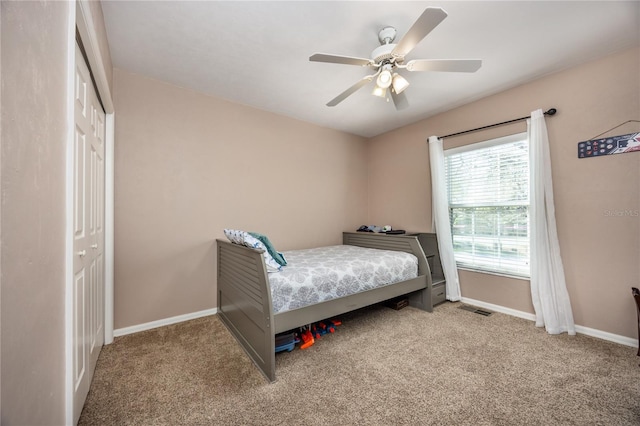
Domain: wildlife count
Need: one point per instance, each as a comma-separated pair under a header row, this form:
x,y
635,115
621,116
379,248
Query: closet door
x,y
88,233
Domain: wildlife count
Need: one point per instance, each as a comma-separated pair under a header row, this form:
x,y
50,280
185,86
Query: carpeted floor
x,y
382,367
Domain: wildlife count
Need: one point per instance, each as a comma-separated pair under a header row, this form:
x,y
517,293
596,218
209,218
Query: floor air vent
x,y
475,310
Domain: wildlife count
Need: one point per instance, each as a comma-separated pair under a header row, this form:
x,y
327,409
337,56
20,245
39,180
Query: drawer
x,y
438,294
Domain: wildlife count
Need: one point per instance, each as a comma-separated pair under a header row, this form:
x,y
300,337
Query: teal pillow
x,y
277,256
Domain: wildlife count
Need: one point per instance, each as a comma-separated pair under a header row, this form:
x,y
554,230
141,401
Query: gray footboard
x,y
244,303
408,243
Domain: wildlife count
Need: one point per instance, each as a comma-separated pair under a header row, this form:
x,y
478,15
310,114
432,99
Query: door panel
x,y
93,176
79,184
79,353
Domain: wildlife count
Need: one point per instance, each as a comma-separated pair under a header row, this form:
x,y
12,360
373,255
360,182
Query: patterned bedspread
x,y
319,274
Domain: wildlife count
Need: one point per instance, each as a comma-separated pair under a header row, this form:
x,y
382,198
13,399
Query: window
x,y
488,190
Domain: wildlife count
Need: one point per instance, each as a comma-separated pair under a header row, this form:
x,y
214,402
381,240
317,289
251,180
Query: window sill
x,y
499,274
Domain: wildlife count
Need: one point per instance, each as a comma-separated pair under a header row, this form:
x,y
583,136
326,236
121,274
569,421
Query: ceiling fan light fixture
x,y
384,79
399,83
380,92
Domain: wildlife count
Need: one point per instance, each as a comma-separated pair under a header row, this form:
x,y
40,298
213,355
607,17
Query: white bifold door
x,y
88,233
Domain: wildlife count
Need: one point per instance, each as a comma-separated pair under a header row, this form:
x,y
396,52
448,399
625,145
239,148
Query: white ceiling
x,y
256,53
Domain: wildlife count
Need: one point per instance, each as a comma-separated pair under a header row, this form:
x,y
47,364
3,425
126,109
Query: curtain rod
x,y
551,111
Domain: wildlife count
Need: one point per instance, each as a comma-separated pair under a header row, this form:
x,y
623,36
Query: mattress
x,y
320,274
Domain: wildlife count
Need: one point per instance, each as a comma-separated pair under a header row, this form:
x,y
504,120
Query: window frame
x,y
493,270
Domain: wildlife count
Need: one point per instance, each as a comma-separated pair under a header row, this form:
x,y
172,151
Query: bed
x,y
245,299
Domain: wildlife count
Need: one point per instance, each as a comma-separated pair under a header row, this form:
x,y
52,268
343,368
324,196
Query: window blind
x,y
488,190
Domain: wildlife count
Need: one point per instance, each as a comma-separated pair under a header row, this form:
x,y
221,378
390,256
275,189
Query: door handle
x,y
82,253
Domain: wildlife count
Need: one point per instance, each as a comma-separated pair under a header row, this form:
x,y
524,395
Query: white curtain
x,y
442,227
548,288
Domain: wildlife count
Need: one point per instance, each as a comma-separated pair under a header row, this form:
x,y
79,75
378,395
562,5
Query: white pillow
x,y
243,238
235,236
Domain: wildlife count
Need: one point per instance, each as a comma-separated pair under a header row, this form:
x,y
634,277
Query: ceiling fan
x,y
388,59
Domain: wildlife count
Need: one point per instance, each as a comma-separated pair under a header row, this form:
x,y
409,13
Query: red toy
x,y
307,339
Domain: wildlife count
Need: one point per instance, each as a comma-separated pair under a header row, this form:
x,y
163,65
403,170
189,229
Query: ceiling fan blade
x,y
452,65
344,95
399,100
337,59
430,18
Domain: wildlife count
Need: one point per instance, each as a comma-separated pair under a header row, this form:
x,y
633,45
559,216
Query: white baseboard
x,y
160,323
498,308
616,338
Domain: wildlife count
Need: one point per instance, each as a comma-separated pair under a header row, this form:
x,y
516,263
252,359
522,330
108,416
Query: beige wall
x,y
600,250
188,165
34,139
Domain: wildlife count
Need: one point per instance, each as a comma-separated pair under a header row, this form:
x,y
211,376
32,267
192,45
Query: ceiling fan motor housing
x,y
382,53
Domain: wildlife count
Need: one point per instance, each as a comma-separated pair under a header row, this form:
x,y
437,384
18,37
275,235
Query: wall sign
x,y
607,146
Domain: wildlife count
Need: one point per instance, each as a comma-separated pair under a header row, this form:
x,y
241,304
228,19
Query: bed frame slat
x,y
250,287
